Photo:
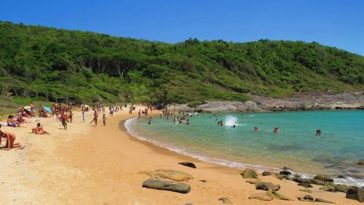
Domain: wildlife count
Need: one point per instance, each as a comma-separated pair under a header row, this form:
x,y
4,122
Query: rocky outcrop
x,y
300,102
249,173
167,185
168,174
323,178
355,193
267,186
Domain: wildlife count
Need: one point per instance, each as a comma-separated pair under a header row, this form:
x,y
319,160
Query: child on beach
x,y
64,120
104,119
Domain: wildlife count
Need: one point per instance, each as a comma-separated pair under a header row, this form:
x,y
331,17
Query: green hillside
x,y
46,64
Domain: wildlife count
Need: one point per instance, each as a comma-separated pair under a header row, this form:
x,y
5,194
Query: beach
x,y
102,165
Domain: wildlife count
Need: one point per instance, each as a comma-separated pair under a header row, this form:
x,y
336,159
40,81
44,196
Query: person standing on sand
x,y
70,116
104,119
64,120
83,116
94,120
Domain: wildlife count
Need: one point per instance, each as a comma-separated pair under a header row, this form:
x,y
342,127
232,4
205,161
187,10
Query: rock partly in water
x,y
323,201
302,180
225,200
169,174
267,186
285,172
249,173
324,178
267,173
261,196
167,185
355,193
188,164
361,162
317,182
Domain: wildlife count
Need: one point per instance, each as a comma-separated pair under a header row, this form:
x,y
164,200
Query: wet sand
x,y
100,165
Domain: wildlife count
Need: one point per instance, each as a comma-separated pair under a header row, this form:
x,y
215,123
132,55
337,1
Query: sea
x,y
237,144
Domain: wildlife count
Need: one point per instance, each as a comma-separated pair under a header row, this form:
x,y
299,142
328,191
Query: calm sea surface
x,y
296,146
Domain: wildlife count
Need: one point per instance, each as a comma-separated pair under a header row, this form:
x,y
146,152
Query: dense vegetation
x,y
50,64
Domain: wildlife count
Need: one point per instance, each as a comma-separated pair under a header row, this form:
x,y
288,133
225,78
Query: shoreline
x,y
349,181
102,165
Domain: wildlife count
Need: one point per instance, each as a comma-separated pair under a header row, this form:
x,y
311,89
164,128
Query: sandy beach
x,y
101,165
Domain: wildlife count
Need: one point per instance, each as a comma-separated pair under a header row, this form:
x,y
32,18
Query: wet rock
x,y
355,193
361,162
261,196
341,176
306,198
306,185
225,200
317,182
267,173
188,164
285,172
267,186
341,188
167,185
169,174
302,180
323,201
249,173
324,178
287,177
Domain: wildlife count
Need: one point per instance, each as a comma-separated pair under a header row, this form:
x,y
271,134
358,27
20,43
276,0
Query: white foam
x,y
230,121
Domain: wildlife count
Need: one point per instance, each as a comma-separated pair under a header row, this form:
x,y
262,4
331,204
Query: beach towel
x,y
47,109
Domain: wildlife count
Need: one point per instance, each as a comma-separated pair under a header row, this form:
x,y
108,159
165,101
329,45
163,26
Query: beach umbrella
x,y
47,109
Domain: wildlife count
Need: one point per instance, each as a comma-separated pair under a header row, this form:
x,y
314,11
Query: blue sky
x,y
338,23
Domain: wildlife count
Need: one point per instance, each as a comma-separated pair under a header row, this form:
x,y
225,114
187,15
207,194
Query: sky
x,y
338,23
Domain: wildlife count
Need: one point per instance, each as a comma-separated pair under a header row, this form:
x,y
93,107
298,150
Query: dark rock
x,y
267,173
225,200
355,193
361,162
202,180
306,185
323,201
341,188
306,198
188,164
285,172
324,178
302,180
317,182
249,173
267,186
167,185
341,176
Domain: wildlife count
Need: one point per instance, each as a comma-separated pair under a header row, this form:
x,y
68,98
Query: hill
x,y
49,64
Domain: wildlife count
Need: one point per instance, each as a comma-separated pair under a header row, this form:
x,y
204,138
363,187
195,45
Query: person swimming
x,y
276,130
318,132
256,129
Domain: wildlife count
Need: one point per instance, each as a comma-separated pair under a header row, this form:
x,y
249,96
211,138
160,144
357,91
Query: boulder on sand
x,y
168,174
267,186
355,193
167,185
249,173
324,178
188,164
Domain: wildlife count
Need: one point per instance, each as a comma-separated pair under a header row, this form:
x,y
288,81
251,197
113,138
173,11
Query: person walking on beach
x,y
64,120
94,120
104,119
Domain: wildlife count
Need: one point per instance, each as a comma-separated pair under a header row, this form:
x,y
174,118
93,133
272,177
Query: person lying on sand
x,y
39,130
10,139
11,122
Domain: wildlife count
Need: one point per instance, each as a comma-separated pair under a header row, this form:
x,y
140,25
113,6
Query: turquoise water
x,y
296,146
